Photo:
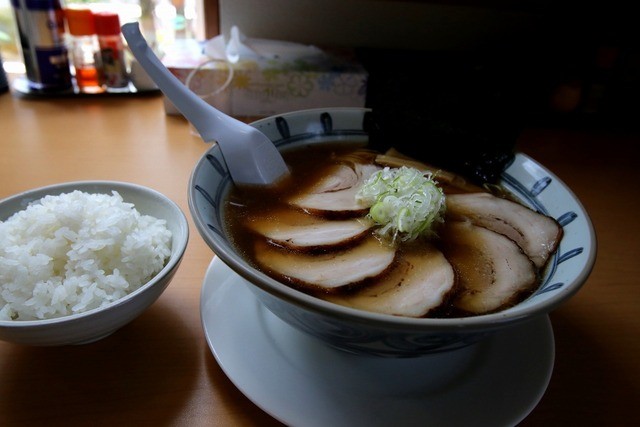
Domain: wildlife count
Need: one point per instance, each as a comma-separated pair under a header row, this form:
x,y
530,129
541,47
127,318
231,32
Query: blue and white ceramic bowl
x,y
368,333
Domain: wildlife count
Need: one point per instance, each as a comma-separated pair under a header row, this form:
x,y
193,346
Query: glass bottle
x,y
84,50
112,54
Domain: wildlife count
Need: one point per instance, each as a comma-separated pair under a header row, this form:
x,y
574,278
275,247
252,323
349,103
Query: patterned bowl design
x,y
377,334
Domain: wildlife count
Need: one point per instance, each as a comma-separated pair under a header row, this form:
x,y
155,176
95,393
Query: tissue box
x,y
262,88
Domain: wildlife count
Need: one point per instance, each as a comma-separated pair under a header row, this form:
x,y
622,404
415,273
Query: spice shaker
x,y
41,30
111,50
85,55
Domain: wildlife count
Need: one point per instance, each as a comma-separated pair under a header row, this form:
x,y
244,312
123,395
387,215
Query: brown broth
x,y
306,166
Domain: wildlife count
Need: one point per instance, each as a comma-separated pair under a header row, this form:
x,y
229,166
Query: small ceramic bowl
x,y
98,323
369,333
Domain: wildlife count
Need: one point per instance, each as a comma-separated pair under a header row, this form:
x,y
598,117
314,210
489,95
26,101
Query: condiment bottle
x,y
111,50
41,30
84,50
4,83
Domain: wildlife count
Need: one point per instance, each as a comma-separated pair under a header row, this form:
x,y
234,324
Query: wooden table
x,y
158,370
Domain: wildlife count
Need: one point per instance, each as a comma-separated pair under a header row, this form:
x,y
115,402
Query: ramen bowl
x,y
368,333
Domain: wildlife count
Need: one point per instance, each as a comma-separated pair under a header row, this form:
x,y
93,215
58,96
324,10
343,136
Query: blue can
x,y
41,30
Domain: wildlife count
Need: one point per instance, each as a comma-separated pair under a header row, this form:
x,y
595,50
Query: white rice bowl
x,y
75,252
95,324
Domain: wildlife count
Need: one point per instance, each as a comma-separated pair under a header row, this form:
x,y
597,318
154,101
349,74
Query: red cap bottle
x,y
111,50
107,24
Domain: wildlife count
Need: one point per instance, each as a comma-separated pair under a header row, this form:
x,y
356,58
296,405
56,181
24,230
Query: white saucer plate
x,y
301,381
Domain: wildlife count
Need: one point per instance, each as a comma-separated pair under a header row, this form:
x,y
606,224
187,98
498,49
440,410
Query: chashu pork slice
x,y
492,270
538,235
327,271
300,231
335,194
420,282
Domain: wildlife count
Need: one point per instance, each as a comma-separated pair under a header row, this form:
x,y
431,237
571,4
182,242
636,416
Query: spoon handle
x,y
251,157
209,121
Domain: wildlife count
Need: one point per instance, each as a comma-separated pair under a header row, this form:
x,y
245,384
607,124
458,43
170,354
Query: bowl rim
x,y
171,264
513,315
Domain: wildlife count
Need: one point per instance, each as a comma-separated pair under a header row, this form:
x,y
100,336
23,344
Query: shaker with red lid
x,y
111,50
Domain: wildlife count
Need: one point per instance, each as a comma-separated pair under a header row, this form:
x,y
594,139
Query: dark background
x,y
579,68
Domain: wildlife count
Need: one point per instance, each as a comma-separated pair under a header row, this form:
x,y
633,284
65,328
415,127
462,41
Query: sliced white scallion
x,y
403,201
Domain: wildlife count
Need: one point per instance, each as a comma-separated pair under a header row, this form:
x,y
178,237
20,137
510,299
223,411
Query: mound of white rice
x,y
75,252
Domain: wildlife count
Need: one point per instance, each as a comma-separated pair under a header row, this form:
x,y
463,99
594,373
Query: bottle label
x,y
53,65
114,68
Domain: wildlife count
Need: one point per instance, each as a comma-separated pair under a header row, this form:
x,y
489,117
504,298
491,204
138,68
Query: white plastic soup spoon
x,y
250,156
